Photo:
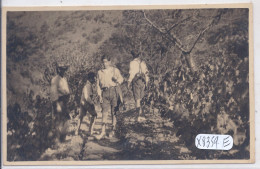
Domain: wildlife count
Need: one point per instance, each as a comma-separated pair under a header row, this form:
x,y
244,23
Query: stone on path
x,y
96,151
71,148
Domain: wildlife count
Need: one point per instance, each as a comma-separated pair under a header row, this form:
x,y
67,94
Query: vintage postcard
x,y
127,85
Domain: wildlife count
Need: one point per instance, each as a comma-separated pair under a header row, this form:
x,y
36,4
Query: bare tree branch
x,y
176,24
164,32
195,42
213,22
159,29
172,37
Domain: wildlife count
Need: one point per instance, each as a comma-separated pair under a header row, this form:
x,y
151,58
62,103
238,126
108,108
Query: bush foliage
x,y
198,62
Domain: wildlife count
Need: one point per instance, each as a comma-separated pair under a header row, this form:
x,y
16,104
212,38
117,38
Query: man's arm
x,y
131,72
99,91
146,73
118,76
86,93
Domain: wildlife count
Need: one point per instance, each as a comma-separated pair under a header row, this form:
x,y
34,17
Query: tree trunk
x,y
190,62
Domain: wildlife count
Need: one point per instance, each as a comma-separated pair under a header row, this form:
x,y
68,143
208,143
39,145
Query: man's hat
x,y
62,66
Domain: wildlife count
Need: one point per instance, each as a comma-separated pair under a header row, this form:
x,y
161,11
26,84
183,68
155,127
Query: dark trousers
x,y
60,117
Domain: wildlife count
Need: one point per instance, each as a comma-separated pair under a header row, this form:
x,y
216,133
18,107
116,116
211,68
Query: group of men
x,y
107,81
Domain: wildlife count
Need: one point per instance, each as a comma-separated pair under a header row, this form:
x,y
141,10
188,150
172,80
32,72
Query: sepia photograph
x,y
128,85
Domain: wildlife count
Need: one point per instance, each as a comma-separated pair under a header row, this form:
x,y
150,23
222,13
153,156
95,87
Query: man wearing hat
x,y
60,94
107,81
138,77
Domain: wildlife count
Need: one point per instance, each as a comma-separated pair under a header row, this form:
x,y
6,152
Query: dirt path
x,y
153,138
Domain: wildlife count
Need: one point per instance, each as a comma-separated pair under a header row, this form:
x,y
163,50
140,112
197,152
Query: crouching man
x,y
87,106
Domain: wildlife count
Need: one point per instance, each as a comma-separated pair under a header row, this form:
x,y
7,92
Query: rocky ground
x,y
152,138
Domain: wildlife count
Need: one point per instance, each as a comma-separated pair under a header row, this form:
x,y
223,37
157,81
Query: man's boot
x,y
103,133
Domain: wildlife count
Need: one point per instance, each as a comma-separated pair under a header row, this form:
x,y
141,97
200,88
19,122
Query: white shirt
x,y
86,92
138,66
59,87
104,78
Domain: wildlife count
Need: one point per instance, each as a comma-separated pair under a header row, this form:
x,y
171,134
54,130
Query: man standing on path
x,y
60,94
107,81
87,106
138,77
